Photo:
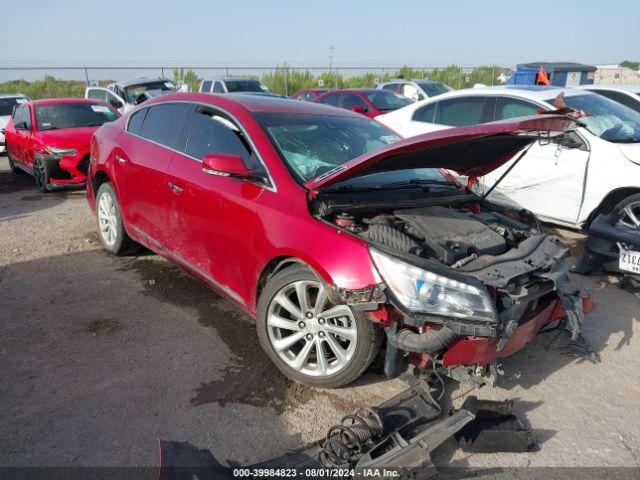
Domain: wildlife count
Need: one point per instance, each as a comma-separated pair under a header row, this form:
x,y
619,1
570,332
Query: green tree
x,y
189,77
630,64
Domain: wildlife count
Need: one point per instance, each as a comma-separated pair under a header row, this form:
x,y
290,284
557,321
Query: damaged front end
x,y
465,282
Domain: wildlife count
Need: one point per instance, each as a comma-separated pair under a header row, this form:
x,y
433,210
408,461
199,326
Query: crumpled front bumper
x,y
483,351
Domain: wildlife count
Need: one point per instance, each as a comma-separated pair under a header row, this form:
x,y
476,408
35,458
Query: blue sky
x,y
364,33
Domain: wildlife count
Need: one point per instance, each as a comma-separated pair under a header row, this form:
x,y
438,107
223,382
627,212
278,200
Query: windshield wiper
x,y
415,182
626,140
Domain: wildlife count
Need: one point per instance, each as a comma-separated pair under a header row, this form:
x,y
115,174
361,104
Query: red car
x,y
50,139
309,94
370,102
334,233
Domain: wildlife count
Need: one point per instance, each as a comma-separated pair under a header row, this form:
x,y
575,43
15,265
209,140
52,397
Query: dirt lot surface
x,y
100,356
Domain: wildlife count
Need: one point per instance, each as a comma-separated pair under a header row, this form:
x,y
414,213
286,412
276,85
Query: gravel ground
x,y
101,355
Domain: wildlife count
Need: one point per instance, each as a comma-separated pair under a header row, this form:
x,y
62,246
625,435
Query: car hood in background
x,y
470,151
68,138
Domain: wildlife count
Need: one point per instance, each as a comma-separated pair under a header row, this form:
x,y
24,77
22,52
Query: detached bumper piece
x,y
602,248
494,428
396,437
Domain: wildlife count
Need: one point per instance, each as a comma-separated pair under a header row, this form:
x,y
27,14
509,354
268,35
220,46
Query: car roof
x,y
531,92
142,81
254,103
230,79
61,101
356,90
12,95
632,87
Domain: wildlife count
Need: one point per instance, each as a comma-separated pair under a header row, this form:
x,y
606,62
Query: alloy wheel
x,y
39,176
107,219
629,216
308,332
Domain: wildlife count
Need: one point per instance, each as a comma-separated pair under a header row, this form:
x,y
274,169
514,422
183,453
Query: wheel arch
x,y
98,179
610,201
276,265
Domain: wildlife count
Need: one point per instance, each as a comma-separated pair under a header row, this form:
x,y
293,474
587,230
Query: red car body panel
x,y
252,225
23,145
227,231
372,110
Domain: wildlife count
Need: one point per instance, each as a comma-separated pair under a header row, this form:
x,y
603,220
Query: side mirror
x,y
226,165
20,126
361,110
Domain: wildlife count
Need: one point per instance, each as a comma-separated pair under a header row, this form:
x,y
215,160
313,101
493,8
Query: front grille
x,y
83,165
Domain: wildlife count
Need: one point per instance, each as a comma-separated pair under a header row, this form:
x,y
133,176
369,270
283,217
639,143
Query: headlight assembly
x,y
422,291
59,152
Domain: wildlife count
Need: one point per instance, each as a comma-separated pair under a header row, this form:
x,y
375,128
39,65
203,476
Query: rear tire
x,y
113,236
294,333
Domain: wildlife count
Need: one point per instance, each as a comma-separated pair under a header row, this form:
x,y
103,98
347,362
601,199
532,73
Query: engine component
x,y
392,238
346,442
344,220
428,342
452,234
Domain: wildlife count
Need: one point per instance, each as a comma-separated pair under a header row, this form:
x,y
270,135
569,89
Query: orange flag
x,y
543,79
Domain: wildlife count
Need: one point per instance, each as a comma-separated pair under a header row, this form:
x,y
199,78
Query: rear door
x,y
141,163
212,218
549,180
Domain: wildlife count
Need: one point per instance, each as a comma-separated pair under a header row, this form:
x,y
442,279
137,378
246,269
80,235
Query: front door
x,y
212,219
549,180
21,143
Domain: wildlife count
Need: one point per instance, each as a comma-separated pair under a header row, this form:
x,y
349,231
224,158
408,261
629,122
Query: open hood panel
x,y
471,151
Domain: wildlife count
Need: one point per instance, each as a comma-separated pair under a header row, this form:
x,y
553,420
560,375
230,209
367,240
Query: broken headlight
x,y
59,152
422,291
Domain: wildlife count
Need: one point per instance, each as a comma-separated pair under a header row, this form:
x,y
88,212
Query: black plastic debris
x,y
494,429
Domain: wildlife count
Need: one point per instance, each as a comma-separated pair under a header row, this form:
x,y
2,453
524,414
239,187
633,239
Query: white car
x,y
594,169
7,104
627,95
234,85
415,90
124,96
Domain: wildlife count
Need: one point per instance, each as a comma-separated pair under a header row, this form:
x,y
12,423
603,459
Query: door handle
x,y
121,160
174,188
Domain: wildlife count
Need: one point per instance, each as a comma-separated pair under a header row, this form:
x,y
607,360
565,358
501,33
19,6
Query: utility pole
x,y
331,50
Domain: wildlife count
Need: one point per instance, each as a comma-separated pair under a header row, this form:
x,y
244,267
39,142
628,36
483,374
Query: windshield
x,y
132,92
607,119
313,145
245,86
433,89
386,100
7,104
73,115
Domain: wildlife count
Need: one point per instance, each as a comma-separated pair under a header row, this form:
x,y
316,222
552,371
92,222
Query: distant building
x,y
612,74
561,74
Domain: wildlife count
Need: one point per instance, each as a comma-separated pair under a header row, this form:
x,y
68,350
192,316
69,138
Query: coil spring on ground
x,y
346,442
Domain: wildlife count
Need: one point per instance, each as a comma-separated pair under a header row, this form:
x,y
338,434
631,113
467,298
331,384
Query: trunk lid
x,y
470,151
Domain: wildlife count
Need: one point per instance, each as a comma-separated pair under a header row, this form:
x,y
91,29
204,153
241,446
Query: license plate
x,y
629,261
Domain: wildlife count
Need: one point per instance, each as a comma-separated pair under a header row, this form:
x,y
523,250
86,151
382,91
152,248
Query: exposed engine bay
x,y
516,270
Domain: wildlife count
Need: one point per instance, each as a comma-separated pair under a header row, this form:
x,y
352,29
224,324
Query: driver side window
x,y
22,114
210,132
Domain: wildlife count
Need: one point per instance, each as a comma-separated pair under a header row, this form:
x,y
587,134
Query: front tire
x,y
111,231
311,340
41,173
627,212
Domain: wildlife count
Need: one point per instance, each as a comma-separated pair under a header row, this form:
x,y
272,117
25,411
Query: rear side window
x,y
352,101
512,107
212,133
331,99
425,114
164,123
206,86
217,88
394,87
458,112
135,122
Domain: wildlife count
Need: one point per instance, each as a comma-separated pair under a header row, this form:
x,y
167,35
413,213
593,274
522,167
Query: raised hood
x,y
470,151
